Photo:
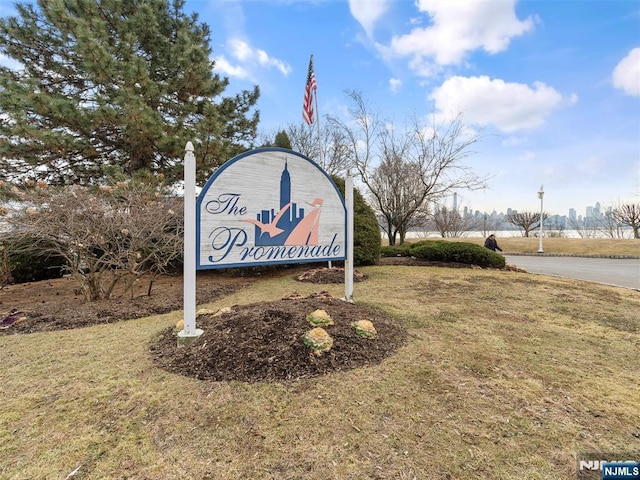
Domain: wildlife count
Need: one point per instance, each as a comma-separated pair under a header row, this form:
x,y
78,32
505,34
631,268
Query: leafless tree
x,y
629,214
115,233
584,230
396,189
609,225
335,157
448,222
526,221
404,169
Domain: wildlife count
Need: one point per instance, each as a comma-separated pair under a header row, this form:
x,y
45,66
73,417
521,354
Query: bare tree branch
x,y
629,214
526,221
403,170
336,149
117,233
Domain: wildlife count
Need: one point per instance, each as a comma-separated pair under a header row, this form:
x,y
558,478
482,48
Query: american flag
x,y
310,87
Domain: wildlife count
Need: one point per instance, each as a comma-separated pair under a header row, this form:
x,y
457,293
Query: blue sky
x,y
554,85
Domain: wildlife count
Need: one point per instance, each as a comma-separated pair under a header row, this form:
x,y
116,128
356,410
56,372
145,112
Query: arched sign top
x,y
266,206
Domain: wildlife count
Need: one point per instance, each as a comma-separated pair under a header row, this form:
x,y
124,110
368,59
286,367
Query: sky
x,y
553,86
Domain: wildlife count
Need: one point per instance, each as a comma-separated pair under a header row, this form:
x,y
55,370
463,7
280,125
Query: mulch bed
x,y
263,342
56,304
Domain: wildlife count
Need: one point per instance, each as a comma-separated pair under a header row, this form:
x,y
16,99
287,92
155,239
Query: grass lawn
x,y
505,375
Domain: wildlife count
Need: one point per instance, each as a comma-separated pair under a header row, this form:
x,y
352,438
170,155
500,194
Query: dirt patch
x,y
328,275
264,342
56,304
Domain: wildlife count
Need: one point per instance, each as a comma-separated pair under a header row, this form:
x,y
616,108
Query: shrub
x,y
396,250
366,232
431,250
30,259
458,252
108,234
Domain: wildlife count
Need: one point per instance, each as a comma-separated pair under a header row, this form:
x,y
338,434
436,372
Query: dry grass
x,y
506,375
569,246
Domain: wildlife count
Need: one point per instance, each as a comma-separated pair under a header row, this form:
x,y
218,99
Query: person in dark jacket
x,y
491,243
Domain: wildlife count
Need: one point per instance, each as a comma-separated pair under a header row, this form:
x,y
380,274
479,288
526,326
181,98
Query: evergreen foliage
x,y
366,232
444,251
26,264
282,140
114,83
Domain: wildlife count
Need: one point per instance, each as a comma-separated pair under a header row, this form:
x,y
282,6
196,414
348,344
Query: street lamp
x,y
541,196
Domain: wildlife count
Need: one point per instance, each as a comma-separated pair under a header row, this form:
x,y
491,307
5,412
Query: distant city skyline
x,y
458,202
462,201
501,204
595,222
588,210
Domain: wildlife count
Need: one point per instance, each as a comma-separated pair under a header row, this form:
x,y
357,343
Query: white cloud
x,y
239,49
227,69
247,57
367,12
507,106
265,60
458,27
626,75
395,84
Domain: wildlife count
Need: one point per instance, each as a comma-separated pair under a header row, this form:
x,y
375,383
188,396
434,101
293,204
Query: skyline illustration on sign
x,y
269,205
290,225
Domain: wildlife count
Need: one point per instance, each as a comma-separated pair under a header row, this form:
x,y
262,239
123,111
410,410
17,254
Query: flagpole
x,y
319,136
315,100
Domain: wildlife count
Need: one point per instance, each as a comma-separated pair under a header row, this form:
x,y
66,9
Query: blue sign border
x,y
231,162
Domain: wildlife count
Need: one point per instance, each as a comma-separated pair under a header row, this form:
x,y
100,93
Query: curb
x,y
624,257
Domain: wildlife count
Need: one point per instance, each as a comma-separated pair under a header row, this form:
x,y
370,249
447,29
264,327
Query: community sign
x,y
267,206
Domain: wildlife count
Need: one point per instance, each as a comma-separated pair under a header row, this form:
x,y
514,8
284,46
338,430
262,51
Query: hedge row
x,y
444,251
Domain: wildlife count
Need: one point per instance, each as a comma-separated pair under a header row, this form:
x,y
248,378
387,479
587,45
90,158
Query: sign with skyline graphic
x,y
267,206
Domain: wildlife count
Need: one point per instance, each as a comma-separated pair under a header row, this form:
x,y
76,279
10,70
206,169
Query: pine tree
x,y
282,140
119,83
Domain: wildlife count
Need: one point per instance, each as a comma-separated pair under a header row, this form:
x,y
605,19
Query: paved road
x,y
610,271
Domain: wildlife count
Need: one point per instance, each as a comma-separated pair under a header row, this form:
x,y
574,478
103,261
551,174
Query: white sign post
x,y
189,331
348,266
